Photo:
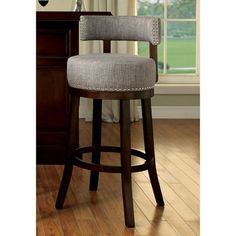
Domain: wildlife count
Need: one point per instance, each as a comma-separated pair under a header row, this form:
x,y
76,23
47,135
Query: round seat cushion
x,y
111,72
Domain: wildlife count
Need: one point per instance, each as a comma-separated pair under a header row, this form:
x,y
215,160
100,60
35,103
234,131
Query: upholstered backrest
x,y
130,28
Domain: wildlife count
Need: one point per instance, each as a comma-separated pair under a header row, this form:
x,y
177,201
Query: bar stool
x,y
120,77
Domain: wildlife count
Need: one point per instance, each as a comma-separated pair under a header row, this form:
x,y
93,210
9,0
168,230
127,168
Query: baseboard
x,y
174,112
165,112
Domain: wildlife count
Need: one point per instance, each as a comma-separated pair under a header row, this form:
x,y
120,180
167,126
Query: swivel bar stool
x,y
119,77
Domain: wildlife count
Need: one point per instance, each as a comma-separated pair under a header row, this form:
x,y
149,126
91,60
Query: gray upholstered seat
x,y
111,72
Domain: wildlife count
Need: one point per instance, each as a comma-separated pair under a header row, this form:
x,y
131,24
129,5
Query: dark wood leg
x,y
126,162
149,149
73,141
97,123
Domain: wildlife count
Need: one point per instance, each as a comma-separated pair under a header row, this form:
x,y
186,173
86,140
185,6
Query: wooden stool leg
x,y
126,162
73,141
97,123
149,149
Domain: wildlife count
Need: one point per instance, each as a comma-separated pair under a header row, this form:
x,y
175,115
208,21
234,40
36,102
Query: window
x,y
178,53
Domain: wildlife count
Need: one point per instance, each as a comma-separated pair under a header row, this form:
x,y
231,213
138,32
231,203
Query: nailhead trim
x,y
155,31
108,89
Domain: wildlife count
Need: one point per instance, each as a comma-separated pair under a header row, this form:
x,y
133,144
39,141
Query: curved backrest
x,y
129,28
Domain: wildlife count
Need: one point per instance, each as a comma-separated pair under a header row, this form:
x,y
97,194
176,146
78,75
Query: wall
x,y
176,100
56,5
175,106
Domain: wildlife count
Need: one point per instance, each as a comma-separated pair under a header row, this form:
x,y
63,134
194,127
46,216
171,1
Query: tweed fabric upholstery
x,y
111,72
129,28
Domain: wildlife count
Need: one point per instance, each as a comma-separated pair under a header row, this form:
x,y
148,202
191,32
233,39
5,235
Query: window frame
x,y
177,82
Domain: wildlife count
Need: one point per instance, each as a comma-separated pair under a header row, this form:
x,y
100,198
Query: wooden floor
x,y
101,213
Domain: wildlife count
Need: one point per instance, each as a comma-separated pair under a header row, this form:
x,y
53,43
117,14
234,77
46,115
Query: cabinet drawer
x,y
53,42
52,99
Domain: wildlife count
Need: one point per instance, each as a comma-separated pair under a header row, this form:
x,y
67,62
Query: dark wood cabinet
x,y
57,39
